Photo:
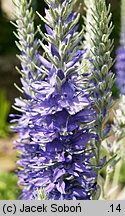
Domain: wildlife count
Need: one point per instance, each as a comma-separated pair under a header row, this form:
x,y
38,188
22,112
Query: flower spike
x,y
55,128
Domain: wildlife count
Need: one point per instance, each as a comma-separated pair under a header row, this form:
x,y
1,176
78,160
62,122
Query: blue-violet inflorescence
x,y
55,134
120,53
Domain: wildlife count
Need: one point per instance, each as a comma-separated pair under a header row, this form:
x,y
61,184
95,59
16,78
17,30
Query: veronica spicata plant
x,y
55,125
99,28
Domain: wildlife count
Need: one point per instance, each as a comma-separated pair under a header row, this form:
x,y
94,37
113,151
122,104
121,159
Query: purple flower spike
x,y
55,127
120,68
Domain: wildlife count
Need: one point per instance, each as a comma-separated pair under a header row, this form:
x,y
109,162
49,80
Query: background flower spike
x,y
99,47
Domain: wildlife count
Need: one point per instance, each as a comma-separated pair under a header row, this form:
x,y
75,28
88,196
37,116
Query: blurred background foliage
x,y
9,76
8,186
4,112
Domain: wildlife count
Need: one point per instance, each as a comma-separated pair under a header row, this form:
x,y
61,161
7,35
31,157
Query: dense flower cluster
x,y
55,125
